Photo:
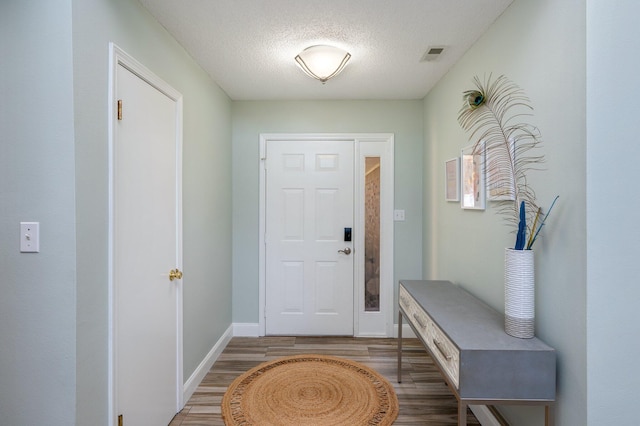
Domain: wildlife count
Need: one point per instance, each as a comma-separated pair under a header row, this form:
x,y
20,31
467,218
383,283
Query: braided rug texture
x,y
310,390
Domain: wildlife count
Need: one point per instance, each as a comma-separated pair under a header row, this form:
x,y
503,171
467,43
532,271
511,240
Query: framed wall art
x,y
472,181
452,179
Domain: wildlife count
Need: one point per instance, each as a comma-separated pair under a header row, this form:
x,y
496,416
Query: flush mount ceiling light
x,y
322,62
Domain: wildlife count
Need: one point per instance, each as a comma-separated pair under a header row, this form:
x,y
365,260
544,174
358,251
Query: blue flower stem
x,y
522,228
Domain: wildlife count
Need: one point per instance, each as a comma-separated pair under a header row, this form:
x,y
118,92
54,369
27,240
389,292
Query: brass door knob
x,y
175,274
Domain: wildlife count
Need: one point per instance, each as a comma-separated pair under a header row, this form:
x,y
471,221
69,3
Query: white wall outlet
x,y
29,237
398,215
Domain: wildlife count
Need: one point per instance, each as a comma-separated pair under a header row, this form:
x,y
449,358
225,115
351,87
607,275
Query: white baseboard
x,y
246,329
194,380
372,335
484,415
249,329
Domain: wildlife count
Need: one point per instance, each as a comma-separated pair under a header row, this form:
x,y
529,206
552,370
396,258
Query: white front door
x,y
146,246
309,265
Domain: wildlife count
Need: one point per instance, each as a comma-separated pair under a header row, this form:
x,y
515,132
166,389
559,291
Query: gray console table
x,y
479,361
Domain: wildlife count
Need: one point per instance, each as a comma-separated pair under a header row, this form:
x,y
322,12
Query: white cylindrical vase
x,y
519,293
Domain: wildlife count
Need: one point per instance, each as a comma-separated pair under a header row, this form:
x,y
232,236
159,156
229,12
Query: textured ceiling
x,y
248,46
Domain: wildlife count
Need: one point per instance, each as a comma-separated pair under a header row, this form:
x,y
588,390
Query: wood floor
x,y
424,397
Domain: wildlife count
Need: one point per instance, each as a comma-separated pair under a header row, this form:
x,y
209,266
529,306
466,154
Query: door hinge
x,y
120,421
119,109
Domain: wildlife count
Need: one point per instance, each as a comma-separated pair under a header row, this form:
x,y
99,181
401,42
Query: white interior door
x,y
309,265
146,240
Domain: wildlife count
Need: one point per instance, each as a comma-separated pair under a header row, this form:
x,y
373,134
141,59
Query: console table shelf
x,y
479,361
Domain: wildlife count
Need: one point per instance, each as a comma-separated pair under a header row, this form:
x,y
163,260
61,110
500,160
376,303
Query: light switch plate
x,y
29,237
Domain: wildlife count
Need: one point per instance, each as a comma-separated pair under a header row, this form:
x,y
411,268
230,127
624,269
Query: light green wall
x,y
250,119
206,194
540,45
612,257
37,290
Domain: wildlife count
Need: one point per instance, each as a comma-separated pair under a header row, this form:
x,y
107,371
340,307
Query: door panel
x,y
309,202
145,249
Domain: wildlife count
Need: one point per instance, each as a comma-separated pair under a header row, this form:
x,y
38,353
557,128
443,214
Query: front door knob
x,y
345,251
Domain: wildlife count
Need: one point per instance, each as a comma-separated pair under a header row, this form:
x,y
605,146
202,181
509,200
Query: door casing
x,y
118,57
372,144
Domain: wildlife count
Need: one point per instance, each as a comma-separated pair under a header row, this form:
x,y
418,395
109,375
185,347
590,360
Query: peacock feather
x,y
493,114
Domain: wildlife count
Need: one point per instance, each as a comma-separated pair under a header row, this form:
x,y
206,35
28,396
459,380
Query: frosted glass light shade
x,y
322,62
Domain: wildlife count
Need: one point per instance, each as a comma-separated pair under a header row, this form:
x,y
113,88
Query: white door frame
x,y
371,144
118,57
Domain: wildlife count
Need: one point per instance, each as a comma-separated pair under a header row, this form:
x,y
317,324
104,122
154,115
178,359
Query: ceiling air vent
x,y
432,53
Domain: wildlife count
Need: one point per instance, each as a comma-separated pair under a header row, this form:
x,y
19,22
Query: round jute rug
x,y
310,390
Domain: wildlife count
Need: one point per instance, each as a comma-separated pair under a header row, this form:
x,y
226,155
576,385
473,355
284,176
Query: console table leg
x,y
462,413
549,415
399,347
